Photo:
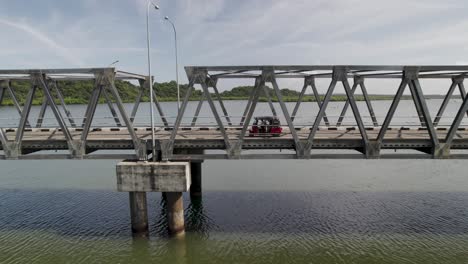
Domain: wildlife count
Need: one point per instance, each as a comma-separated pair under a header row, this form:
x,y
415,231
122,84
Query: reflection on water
x,y
308,211
254,227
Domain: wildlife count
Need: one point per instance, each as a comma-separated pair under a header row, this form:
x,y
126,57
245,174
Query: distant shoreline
x,y
289,99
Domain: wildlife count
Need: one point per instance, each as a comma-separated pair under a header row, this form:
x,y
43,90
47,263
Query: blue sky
x,y
94,33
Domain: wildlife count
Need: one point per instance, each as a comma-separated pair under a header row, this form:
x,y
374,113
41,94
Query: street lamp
x,y
112,64
150,80
177,61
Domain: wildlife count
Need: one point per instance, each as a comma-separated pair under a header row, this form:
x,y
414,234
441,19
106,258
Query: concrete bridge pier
x,y
139,214
171,178
175,213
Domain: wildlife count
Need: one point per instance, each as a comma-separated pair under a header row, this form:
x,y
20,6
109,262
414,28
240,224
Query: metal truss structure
x,y
228,139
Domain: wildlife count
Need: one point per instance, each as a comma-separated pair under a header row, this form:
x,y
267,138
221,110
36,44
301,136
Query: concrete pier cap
x,y
139,177
142,176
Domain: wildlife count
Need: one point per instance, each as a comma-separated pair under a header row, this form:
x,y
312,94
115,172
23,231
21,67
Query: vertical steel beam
x,y
111,108
213,83
64,105
197,111
425,111
272,78
391,111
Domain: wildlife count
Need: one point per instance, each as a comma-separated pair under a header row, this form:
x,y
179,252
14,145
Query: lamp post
x,y
150,80
112,64
176,60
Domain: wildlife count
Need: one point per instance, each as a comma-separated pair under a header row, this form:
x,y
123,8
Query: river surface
x,y
305,211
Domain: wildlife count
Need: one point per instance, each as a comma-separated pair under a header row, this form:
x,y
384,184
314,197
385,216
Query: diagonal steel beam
x,y
369,104
64,105
447,98
109,76
249,103
391,111
271,77
209,99
111,108
345,107
4,141
355,109
169,148
456,123
270,102
41,80
2,94
138,100
259,83
319,102
42,112
319,116
425,112
417,105
91,109
213,84
197,111
15,101
463,94
299,100
24,115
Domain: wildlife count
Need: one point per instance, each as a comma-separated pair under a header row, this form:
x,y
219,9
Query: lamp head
x,y
166,17
156,7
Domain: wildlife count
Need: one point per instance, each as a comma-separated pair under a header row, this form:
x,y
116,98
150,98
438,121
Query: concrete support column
x,y
175,213
139,214
196,172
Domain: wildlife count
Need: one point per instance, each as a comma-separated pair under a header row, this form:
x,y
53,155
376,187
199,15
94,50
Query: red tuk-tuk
x,y
266,126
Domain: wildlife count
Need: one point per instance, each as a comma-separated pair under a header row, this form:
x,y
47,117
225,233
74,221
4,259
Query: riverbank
x,y
306,98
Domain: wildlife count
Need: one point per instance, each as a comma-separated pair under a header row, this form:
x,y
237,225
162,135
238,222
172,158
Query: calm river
x,y
311,211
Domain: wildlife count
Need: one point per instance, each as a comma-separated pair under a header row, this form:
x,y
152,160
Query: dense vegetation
x,y
80,92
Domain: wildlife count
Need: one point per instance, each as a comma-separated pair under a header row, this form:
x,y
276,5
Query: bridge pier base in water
x,y
175,213
139,214
171,178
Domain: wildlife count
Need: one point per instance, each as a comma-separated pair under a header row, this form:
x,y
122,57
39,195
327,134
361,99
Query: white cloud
x,y
63,52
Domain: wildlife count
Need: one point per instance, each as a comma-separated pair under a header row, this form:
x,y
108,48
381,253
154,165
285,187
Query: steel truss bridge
x,y
74,138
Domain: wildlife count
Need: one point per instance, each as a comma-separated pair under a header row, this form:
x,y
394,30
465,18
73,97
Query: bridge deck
x,y
211,138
